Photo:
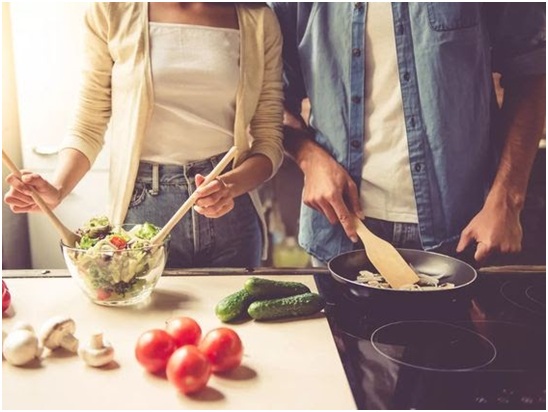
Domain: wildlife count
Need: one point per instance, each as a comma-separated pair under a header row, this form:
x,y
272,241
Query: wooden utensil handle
x,y
185,207
40,202
35,196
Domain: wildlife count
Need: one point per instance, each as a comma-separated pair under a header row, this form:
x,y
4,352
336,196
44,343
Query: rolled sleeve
x,y
518,38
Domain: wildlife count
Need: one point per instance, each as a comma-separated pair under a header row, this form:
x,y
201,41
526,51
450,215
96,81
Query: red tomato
x,y
185,331
153,350
188,369
103,294
119,242
6,297
223,348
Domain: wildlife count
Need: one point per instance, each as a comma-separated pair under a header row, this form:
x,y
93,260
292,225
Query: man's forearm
x,y
299,143
523,117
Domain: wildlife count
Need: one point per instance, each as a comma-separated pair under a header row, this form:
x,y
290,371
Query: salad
x,y
115,261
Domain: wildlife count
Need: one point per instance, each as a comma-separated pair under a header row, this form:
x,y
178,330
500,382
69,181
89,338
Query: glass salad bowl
x,y
116,265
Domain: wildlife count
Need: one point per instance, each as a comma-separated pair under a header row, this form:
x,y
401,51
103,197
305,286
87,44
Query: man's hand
x,y
19,198
496,228
329,189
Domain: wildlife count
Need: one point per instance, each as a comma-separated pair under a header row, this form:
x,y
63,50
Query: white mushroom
x,y
23,326
20,347
98,352
58,332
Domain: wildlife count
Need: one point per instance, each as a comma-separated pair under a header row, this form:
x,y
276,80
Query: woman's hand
x,y
214,199
19,196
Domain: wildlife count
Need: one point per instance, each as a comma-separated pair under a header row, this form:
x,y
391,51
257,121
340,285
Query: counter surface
x,y
287,364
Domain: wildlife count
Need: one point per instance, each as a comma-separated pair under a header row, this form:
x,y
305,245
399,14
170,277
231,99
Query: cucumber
x,y
233,306
270,289
292,306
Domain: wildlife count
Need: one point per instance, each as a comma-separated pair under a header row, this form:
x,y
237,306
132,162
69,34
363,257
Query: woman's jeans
x,y
233,240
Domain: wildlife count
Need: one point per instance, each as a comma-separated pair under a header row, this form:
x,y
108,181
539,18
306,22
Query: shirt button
x,y
418,167
356,99
356,52
406,76
355,144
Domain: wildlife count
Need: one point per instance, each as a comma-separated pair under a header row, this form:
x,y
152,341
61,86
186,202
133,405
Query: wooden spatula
x,y
69,238
178,215
385,258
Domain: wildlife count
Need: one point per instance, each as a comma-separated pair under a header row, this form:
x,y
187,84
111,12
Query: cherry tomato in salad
x,y
6,297
119,242
184,330
223,348
188,369
153,350
103,294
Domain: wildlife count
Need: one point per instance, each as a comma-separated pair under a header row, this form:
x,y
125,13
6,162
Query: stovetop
x,y
484,350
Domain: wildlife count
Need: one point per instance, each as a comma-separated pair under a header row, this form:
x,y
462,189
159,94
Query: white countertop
x,y
287,364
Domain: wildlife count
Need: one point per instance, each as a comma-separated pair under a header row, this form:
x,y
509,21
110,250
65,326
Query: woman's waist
x,y
176,173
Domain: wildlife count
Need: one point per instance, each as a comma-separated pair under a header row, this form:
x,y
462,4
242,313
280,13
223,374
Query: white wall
x,y
15,239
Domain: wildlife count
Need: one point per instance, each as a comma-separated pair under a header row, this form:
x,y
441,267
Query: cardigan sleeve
x,y
93,110
266,124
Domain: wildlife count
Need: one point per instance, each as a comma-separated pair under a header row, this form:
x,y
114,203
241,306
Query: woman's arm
x,y
72,166
86,134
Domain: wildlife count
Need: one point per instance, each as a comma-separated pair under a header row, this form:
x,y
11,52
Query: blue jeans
x,y
233,240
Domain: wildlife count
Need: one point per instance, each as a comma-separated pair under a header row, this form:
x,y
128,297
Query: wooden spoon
x,y
162,234
385,258
68,237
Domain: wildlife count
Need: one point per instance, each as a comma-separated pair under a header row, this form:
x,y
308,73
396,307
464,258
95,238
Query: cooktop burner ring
x,y
533,298
488,355
529,303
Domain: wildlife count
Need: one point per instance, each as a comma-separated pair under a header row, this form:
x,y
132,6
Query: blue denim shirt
x,y
446,55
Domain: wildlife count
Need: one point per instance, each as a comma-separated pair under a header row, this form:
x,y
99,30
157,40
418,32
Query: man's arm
x,y
328,187
497,226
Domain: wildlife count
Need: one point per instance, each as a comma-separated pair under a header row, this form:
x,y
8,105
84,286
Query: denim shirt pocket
x,y
453,16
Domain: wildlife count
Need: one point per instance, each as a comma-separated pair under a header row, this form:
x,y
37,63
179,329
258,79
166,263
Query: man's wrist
x,y
507,198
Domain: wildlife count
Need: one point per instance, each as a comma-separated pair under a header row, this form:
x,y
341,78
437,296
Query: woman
x,y
178,84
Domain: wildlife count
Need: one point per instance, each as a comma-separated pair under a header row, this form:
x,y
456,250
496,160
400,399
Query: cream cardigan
x,y
117,91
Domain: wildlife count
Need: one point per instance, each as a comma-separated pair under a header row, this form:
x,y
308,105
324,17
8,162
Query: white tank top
x,y
387,190
195,74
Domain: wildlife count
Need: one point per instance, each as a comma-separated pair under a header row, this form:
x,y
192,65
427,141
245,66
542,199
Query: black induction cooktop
x,y
484,350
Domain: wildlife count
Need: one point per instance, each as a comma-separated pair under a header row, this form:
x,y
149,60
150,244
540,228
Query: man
x,y
404,127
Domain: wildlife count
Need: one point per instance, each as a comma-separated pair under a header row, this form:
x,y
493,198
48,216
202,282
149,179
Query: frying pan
x,y
344,269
